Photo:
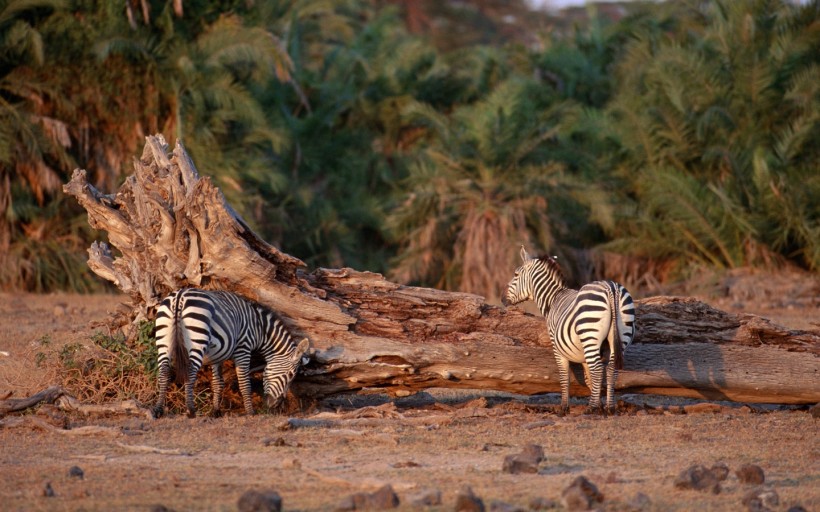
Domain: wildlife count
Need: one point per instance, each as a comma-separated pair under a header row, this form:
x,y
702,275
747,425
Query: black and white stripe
x,y
197,327
579,321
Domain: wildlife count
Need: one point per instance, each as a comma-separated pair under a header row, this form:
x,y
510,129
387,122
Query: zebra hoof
x,y
158,412
595,411
216,413
191,413
561,411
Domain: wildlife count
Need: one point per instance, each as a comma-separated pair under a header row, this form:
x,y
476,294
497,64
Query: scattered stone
x,y
639,503
161,508
524,462
543,504
502,506
720,470
750,474
797,508
48,491
533,450
60,310
699,478
76,472
516,464
539,424
279,441
382,499
581,495
426,498
815,411
260,501
406,464
466,501
761,499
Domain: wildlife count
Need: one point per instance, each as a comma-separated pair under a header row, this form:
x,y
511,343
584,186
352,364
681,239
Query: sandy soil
x,y
438,440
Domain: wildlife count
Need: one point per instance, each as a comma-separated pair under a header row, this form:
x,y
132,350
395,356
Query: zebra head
x,y
530,276
277,387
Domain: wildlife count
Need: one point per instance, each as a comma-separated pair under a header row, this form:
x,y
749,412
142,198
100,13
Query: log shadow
x,y
697,369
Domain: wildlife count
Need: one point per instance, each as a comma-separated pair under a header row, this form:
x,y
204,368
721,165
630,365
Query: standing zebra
x,y
198,327
578,321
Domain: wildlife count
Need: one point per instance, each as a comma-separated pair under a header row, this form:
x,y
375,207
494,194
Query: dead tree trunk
x,y
173,228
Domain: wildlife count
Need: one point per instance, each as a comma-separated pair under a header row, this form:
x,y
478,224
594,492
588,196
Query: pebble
x,y
502,506
543,504
76,472
581,494
761,499
524,462
750,474
260,501
466,501
639,502
699,478
48,491
426,498
383,499
720,470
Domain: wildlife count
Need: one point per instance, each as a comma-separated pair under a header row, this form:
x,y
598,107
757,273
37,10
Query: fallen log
x,y
173,228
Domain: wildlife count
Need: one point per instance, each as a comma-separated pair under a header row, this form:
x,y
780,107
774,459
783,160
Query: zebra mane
x,y
551,263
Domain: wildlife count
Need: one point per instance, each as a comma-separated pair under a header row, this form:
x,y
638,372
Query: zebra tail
x,y
616,347
181,361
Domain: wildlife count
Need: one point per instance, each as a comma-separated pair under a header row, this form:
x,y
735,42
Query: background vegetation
x,y
425,139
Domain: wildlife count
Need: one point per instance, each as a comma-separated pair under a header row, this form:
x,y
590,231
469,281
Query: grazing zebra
x,y
578,321
198,327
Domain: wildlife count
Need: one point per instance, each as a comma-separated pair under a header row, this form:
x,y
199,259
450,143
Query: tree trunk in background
x,y
173,228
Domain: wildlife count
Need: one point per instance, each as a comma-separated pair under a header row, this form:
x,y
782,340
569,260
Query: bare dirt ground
x,y
433,441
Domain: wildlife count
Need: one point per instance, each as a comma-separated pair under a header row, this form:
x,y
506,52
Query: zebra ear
x,y
301,349
524,256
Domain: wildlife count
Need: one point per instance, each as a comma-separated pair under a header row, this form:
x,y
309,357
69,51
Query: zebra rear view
x,y
197,327
579,322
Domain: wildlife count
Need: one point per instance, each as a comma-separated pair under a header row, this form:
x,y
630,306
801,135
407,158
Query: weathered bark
x,y
175,229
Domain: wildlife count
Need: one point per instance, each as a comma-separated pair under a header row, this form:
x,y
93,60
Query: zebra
x,y
197,327
578,321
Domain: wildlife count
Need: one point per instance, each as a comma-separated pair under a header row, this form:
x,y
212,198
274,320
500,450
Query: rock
x,y
797,508
534,451
815,411
501,506
543,504
750,474
76,472
720,470
581,495
515,464
278,441
59,310
638,503
761,499
260,501
524,462
466,501
48,491
161,508
382,499
426,498
699,478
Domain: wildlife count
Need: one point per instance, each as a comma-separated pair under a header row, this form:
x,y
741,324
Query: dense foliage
x,y
361,133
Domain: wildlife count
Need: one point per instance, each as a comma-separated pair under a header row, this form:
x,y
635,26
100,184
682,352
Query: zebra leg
x,y
189,388
611,376
596,373
217,385
242,362
563,376
164,372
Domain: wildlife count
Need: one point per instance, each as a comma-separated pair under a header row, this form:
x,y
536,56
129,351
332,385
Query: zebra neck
x,y
546,298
